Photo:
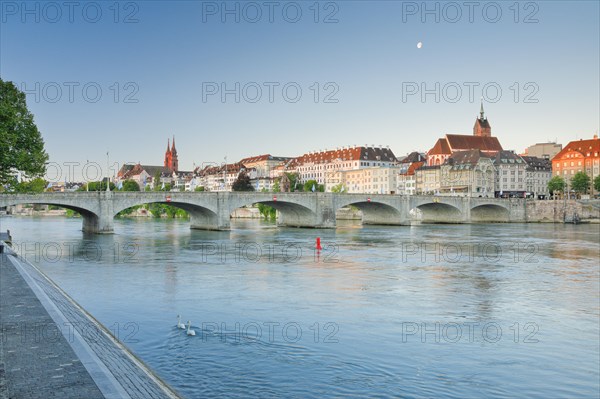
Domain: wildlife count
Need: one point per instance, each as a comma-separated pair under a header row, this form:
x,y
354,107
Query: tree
x,y
242,183
268,212
597,183
277,186
130,185
580,182
309,185
22,143
37,185
294,183
338,188
199,189
556,184
96,186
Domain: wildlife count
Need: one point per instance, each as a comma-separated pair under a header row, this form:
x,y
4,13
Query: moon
x,y
419,45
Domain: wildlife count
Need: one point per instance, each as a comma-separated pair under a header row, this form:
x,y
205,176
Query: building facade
x,y
539,173
428,179
373,180
578,156
469,173
407,181
326,166
511,175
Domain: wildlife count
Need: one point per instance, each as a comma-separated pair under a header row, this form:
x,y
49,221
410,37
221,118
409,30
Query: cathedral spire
x,y
481,110
173,148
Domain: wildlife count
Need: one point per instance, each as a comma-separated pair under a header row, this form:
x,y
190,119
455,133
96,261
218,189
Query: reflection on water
x,y
422,311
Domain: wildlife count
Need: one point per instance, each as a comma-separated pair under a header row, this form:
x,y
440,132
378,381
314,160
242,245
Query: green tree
x,y
156,182
294,181
22,143
556,184
130,185
276,186
580,182
199,189
37,185
309,185
597,183
268,212
338,188
242,183
96,186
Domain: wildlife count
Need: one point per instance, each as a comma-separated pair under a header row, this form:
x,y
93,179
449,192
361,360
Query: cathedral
x,y
171,161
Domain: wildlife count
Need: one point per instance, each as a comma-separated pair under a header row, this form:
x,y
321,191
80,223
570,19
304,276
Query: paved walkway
x,y
51,348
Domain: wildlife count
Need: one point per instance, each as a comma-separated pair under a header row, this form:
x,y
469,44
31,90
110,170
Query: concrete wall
x,y
551,211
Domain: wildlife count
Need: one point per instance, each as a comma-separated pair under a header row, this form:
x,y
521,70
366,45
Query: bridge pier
x,y
207,221
97,224
322,215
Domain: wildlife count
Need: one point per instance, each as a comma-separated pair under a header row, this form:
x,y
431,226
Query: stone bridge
x,y
212,210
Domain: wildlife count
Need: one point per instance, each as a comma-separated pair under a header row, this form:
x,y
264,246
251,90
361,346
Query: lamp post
x,y
225,175
107,172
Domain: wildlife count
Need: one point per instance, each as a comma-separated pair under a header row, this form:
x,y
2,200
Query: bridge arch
x,y
91,221
375,212
439,212
201,217
291,210
488,213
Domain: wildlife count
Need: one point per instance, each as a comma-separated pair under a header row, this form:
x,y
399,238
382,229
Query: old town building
x,y
578,156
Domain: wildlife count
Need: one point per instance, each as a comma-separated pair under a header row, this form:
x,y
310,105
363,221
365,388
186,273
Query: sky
x,y
236,79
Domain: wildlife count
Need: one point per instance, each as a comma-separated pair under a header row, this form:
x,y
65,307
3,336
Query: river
x,y
452,311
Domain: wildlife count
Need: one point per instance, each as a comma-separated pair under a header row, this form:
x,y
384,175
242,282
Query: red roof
x,y
459,142
582,146
440,148
349,154
413,167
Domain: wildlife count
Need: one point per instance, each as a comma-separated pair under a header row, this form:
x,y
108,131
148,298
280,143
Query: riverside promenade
x,y
50,347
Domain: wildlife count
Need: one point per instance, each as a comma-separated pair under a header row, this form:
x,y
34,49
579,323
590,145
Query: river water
x,y
454,311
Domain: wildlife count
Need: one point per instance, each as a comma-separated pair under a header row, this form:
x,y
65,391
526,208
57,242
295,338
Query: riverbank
x,y
50,347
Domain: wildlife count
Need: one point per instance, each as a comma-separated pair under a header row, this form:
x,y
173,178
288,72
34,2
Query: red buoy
x,y
318,245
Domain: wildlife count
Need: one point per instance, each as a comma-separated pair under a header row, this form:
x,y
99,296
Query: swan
x,y
179,323
190,332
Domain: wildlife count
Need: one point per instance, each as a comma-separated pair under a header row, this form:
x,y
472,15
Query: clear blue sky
x,y
370,55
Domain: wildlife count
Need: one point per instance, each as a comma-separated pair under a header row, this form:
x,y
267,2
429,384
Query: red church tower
x,y
482,127
171,160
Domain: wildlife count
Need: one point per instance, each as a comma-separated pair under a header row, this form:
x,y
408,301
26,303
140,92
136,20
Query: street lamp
x,y
107,172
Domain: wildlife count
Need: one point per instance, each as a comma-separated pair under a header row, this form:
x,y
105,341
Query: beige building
x,y
428,180
543,150
264,164
326,166
374,180
469,173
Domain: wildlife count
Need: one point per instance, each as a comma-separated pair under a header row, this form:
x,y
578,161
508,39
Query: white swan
x,y
179,323
190,332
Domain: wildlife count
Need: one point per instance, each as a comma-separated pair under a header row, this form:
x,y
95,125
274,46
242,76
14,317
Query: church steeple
x,y
168,155
482,126
481,111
